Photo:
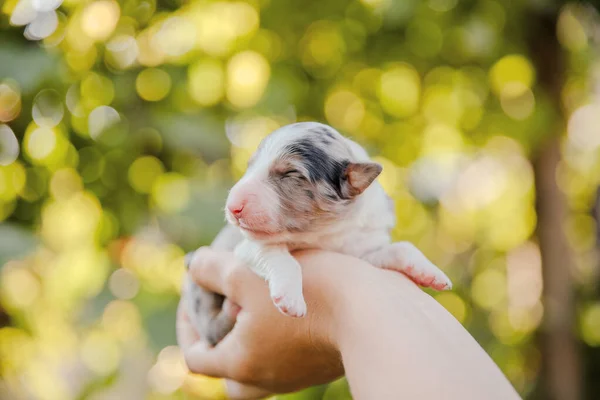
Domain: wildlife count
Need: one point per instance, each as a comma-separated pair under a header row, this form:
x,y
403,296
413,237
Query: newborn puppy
x,y
307,186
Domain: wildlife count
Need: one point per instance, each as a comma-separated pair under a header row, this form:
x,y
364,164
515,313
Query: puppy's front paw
x,y
416,266
292,306
428,276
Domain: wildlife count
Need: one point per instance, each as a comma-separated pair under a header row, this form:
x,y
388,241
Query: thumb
x,y
204,360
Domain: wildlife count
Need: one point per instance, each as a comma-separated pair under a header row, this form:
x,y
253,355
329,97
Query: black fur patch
x,y
331,196
188,259
319,164
197,305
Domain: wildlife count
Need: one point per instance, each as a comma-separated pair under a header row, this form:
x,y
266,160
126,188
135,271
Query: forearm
x,y
396,341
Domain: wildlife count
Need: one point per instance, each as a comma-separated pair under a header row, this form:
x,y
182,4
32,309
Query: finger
x,y
239,391
203,360
186,334
219,272
208,268
231,309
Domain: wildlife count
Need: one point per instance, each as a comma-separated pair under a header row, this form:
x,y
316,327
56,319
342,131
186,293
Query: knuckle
x,y
203,252
234,277
201,257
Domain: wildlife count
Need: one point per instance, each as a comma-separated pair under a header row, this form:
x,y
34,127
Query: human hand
x,y
187,336
265,349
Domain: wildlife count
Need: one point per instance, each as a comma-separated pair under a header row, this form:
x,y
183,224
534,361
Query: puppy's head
x,y
303,176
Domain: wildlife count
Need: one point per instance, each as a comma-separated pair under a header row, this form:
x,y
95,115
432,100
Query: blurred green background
x,y
124,123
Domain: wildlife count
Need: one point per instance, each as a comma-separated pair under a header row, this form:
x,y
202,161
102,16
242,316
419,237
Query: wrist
x,y
344,292
337,289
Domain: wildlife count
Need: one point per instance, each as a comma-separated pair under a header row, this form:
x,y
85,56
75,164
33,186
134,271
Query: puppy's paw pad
x,y
287,305
437,282
442,286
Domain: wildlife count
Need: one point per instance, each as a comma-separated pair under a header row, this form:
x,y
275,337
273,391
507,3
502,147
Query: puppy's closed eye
x,y
293,173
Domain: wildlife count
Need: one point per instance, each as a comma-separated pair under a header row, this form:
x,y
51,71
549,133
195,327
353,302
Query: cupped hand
x,y
187,337
265,349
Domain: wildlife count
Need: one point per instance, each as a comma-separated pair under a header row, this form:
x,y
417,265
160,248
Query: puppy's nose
x,y
236,209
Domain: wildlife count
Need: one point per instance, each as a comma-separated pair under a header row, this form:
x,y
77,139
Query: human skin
x,y
389,338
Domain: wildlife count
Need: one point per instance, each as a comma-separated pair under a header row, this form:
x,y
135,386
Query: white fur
x,y
364,233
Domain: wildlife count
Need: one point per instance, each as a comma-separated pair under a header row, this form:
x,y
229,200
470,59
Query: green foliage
x,y
122,128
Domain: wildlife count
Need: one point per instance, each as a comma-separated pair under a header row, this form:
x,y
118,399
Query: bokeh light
x,y
99,18
10,100
171,192
591,324
96,90
100,353
40,143
143,172
153,84
124,123
344,110
570,31
42,26
247,76
512,74
65,183
206,80
399,91
123,51
519,106
584,127
175,37
9,145
48,109
101,119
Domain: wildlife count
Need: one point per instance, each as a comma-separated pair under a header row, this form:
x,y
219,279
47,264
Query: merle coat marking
x,y
307,186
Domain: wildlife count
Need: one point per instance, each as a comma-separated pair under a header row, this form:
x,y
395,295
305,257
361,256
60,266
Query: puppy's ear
x,y
359,176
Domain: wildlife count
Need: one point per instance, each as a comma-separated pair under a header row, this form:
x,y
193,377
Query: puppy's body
x,y
308,187
205,308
